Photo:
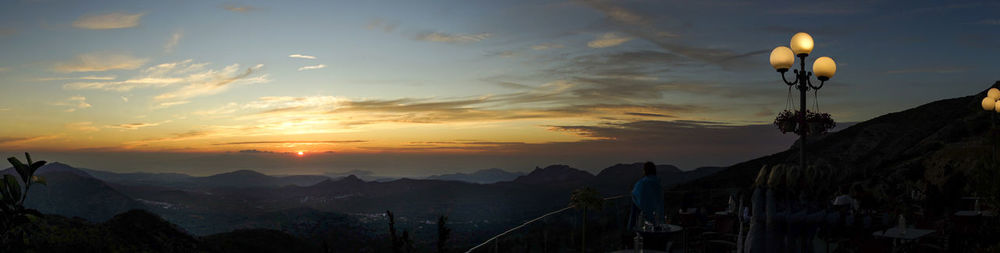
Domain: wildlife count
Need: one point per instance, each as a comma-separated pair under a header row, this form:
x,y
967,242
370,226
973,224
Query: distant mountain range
x,y
486,176
239,199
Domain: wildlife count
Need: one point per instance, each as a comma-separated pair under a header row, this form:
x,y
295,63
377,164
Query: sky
x,y
415,88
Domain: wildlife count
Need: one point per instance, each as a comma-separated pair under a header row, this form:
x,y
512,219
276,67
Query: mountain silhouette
x,y
555,175
938,143
485,176
75,193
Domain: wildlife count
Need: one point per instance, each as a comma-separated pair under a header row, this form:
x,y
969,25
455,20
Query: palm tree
x,y
583,199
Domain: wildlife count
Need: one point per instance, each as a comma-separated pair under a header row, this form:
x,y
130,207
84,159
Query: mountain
x,y
555,175
50,168
239,178
629,173
142,231
72,192
935,146
486,176
234,179
142,178
620,178
362,174
300,180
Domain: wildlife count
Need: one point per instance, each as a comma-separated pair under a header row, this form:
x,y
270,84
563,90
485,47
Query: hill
x,y
933,147
486,176
74,193
142,231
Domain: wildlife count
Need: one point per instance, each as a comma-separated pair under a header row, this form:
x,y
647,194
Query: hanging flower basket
x,y
819,123
786,121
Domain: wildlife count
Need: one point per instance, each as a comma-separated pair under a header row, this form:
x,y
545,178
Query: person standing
x,y
647,194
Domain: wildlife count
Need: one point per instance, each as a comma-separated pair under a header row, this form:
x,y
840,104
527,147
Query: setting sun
x,y
301,153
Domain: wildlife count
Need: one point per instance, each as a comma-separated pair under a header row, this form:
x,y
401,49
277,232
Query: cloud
x,y
385,26
199,80
165,105
546,46
4,69
300,56
239,8
554,100
988,22
504,54
86,126
125,99
44,79
216,82
115,20
175,38
135,126
608,40
453,38
935,70
6,31
101,61
312,67
74,103
638,26
288,142
22,140
643,114
821,8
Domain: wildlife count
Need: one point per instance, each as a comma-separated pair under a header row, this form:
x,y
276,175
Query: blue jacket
x,y
648,196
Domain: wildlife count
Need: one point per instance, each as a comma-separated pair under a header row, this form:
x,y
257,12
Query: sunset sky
x,y
413,88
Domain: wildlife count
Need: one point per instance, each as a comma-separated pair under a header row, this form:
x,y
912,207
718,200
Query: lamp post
x,y
782,58
991,104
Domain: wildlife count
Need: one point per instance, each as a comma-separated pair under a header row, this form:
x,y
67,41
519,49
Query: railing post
x,y
545,237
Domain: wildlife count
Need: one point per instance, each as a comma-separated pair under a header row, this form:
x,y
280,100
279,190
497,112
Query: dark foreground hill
x,y
75,193
934,148
141,231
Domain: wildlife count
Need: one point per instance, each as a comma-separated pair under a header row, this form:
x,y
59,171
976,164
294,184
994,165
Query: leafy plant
x,y
586,198
819,123
12,196
808,122
786,121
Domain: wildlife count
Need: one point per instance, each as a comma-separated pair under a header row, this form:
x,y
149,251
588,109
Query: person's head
x,y
649,169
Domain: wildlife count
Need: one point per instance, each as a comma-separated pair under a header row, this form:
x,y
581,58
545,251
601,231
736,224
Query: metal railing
x,y
495,238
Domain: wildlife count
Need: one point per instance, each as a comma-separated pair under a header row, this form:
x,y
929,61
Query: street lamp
x,y
782,59
991,104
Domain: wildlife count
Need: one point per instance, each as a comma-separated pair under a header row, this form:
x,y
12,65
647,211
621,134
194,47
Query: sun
x,y
302,153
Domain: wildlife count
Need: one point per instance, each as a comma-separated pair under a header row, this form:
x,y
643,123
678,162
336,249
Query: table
x,y
896,233
900,239
670,229
660,239
975,213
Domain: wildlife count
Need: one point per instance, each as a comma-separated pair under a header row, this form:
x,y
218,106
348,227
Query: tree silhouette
x,y
12,197
407,242
583,199
392,232
443,233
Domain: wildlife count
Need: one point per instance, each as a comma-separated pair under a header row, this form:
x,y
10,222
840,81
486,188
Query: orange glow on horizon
x,y
302,153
